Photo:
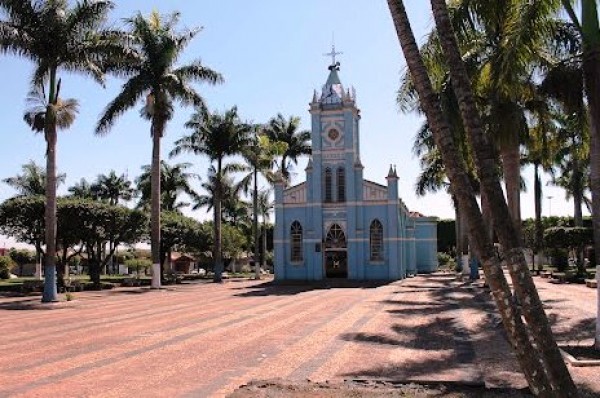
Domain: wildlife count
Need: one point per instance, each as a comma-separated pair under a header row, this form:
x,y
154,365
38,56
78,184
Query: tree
x,y
56,36
23,219
113,188
260,156
157,46
82,190
32,182
280,129
181,233
589,28
93,224
22,257
216,136
174,180
265,206
552,377
6,265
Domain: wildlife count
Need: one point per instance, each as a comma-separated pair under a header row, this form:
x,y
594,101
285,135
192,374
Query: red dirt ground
x,y
205,340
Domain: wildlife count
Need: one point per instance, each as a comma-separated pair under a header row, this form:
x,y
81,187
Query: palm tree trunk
x,y
539,229
457,232
264,242
218,249
255,225
511,164
511,317
558,381
157,130
591,71
50,293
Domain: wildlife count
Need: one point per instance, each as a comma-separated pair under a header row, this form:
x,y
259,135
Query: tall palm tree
x,y
113,188
588,26
32,181
265,207
280,129
154,76
56,36
529,357
216,136
174,181
553,364
260,156
572,162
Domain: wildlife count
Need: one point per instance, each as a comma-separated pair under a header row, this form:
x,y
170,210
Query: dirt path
x,y
205,340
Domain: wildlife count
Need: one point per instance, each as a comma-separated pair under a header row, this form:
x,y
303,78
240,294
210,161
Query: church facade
x,y
337,224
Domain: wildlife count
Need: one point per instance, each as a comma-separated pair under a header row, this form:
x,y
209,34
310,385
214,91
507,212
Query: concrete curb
x,y
579,363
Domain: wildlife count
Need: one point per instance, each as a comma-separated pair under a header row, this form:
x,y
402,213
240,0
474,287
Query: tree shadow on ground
x,y
445,344
273,288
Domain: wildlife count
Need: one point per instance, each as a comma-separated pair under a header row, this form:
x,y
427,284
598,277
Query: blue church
x,y
337,224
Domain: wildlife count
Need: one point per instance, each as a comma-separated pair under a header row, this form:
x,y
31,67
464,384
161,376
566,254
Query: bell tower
x,y
335,140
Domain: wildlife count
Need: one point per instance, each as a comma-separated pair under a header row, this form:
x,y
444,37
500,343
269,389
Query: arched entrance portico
x,y
336,253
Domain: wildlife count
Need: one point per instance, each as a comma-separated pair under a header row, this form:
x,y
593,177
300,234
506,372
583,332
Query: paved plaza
x,y
205,340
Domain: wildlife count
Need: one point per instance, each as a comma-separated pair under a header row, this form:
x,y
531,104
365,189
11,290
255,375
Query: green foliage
x,y
6,264
23,219
568,237
446,235
22,257
234,241
181,233
138,264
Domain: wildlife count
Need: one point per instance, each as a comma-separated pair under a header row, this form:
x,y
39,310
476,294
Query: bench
x,y
546,274
592,283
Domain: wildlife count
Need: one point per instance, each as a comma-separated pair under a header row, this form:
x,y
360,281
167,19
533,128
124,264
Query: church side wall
x,y
426,244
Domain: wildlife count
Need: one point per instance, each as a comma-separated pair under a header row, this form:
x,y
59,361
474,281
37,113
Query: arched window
x,y
296,242
376,240
328,187
341,185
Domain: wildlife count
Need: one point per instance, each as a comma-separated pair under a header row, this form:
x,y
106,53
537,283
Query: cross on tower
x,y
332,54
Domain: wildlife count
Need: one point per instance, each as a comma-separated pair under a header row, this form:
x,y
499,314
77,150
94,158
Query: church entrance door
x,y
336,253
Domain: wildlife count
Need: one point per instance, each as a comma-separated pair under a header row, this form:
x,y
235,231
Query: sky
x,y
270,53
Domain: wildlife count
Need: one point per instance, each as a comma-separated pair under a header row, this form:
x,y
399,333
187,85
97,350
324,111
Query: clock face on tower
x,y
333,134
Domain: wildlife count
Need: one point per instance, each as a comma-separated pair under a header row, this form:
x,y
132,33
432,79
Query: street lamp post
x,y
549,205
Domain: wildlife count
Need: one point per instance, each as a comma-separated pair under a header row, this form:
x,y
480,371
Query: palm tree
x,y
56,36
32,181
265,206
216,136
556,371
174,181
588,26
83,190
260,155
529,356
280,129
113,188
154,77
572,161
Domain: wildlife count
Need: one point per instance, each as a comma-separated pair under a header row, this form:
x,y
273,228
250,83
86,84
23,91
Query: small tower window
x,y
341,185
328,186
296,242
376,240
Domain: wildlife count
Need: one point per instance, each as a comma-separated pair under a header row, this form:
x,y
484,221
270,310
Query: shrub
x,y
6,264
